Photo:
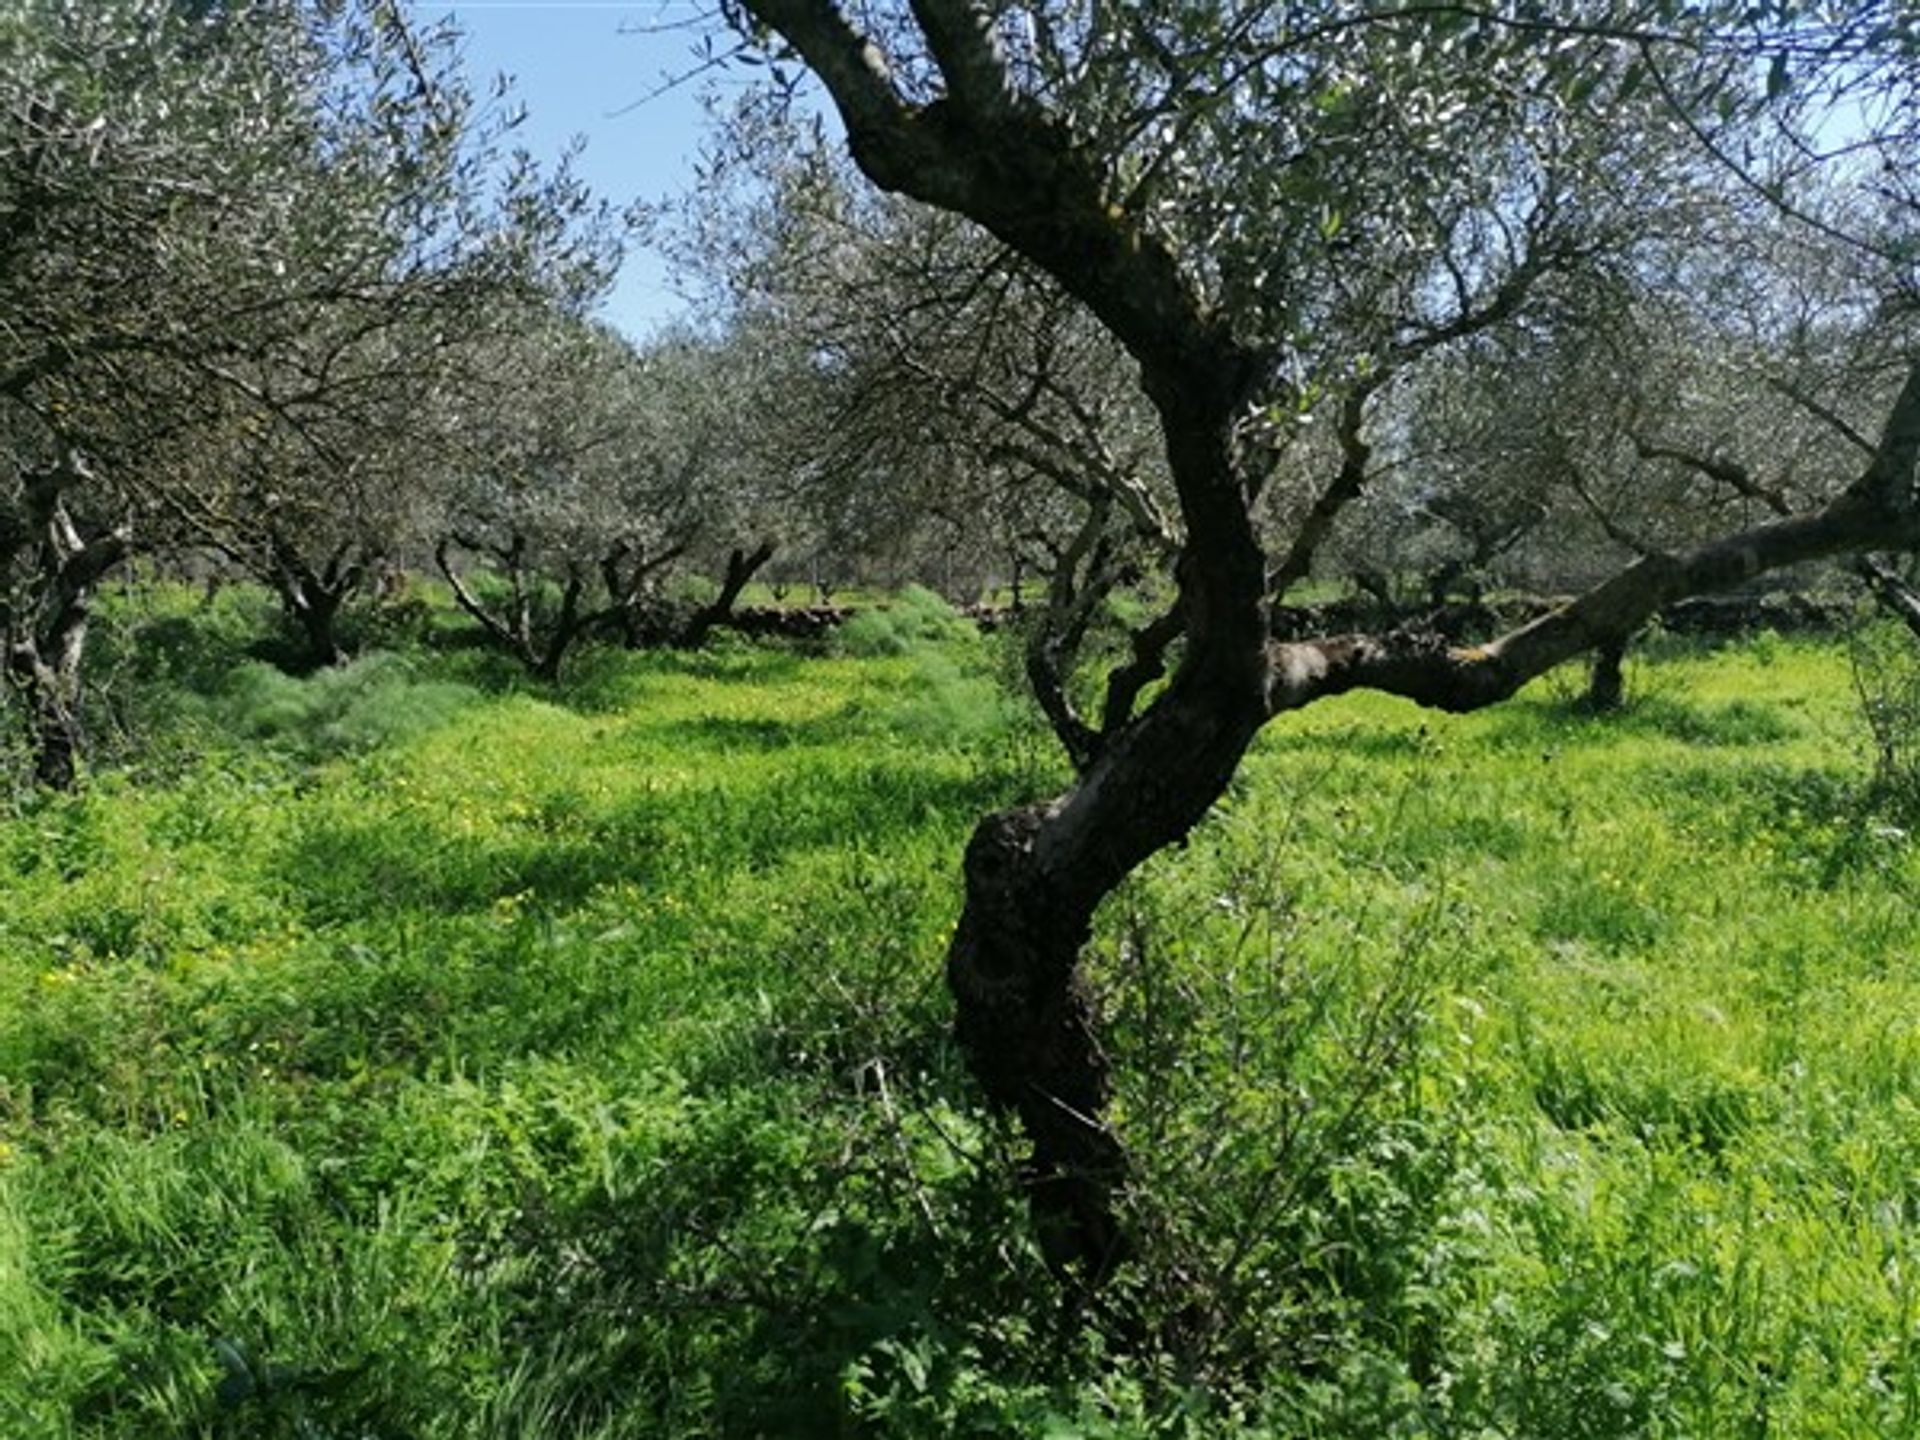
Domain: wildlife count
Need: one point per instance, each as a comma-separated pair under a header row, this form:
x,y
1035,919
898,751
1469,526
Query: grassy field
x,y
407,1052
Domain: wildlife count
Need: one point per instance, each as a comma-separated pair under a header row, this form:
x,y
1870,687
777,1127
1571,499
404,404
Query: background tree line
x,y
283,303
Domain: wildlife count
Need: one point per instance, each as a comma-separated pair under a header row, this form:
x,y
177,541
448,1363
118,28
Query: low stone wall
x,y
1786,612
1462,622
800,622
1471,621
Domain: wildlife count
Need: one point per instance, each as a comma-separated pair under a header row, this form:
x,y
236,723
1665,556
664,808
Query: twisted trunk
x,y
1035,875
313,598
1606,682
1024,1012
742,566
46,608
54,730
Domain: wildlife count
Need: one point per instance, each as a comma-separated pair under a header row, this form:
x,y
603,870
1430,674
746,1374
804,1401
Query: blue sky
x,y
586,68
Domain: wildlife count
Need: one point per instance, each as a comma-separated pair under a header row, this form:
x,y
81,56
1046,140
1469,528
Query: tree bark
x,y
1606,682
1894,595
53,722
44,624
320,623
628,575
1029,1027
1035,876
313,601
568,626
514,634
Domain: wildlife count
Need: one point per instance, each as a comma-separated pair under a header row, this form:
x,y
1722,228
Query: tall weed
x,y
376,700
1885,661
915,618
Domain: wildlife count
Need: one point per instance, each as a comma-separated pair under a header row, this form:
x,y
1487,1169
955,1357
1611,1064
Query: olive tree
x,y
409,251
144,155
961,402
1270,208
545,487
579,469
1741,379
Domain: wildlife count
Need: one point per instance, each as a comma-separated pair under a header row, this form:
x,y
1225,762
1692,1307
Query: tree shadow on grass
x,y
774,1268
344,867
1727,723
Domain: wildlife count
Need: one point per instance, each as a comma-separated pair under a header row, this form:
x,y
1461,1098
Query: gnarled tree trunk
x,y
45,615
1607,681
51,696
313,597
1035,876
628,574
742,566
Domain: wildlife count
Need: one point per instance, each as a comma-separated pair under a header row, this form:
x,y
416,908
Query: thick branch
x,y
1822,412
850,65
742,566
624,589
1426,671
1895,596
1016,172
568,626
1020,174
1147,664
1892,479
1355,452
1734,476
467,601
963,45
1876,512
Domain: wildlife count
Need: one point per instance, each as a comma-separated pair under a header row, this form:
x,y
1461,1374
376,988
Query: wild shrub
x,y
1275,1059
378,699
915,618
1885,662
158,651
950,704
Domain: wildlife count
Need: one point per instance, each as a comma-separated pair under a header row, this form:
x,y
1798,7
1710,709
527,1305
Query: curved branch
x,y
1880,510
1423,669
1147,664
469,602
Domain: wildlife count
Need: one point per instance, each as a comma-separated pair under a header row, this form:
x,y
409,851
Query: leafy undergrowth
x,y
408,1060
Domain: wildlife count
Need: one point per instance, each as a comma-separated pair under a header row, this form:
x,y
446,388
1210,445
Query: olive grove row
x,y
1518,299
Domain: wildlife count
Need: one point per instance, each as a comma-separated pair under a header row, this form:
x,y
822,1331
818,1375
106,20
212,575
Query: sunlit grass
x,y
447,1062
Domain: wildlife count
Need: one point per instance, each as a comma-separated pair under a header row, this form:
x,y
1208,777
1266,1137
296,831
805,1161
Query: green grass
x,y
420,1055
